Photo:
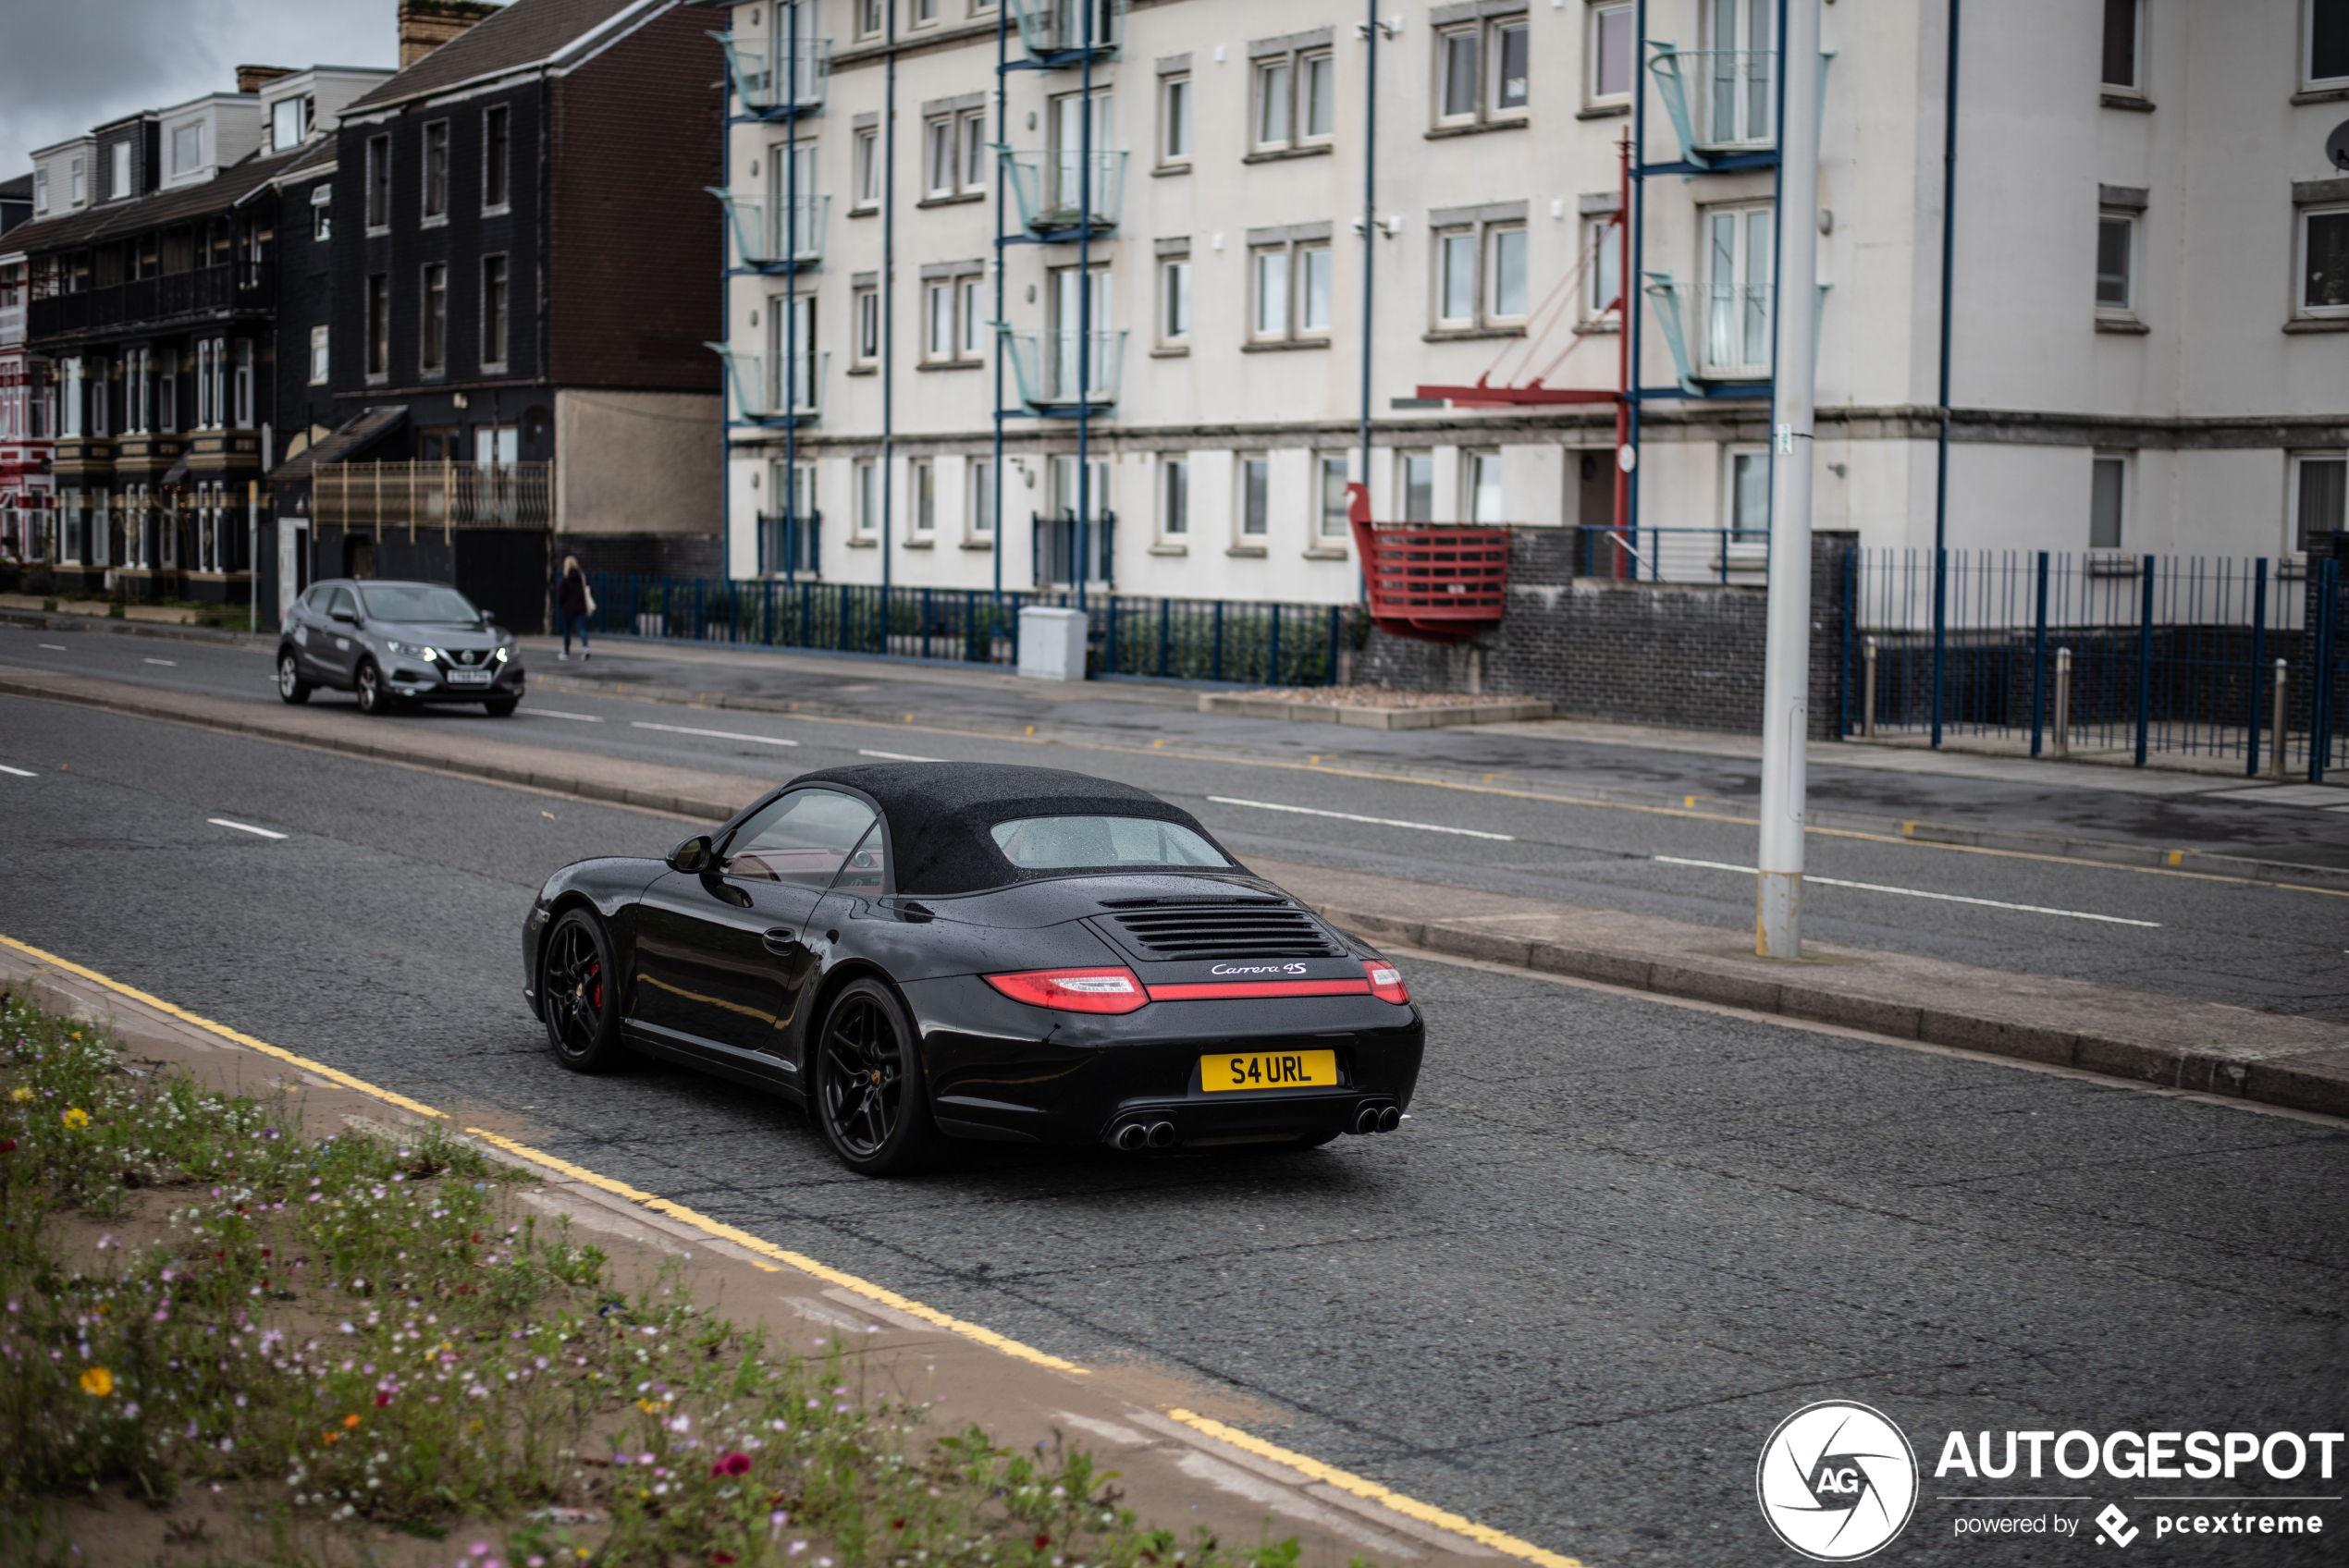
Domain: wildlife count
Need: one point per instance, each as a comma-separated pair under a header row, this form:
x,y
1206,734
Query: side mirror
x,y
345,614
488,619
697,854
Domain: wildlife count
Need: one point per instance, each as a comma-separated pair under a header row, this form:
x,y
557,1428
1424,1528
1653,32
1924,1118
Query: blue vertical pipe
x,y
791,291
2144,661
1632,314
2039,657
1370,240
1084,298
1003,139
1941,444
887,309
2259,668
2323,630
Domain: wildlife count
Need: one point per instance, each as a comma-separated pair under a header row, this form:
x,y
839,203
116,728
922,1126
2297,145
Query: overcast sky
x,y
68,64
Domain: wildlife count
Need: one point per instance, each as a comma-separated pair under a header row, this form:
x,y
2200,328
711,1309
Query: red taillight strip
x,y
1239,989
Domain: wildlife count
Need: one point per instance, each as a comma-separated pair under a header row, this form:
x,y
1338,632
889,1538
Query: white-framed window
x,y
1175,118
77,182
1173,498
2324,262
979,500
242,388
2108,500
2116,261
1175,301
865,170
938,319
871,18
2326,29
1295,99
1480,275
1607,48
973,136
1734,289
1736,101
433,318
321,359
1331,473
1291,282
41,191
496,311
1254,511
922,13
1077,369
1603,278
982,7
921,496
1415,482
865,485
322,211
953,313
941,172
120,186
1068,190
186,147
289,123
1745,495
2319,497
864,323
378,186
791,329
2123,53
435,183
970,314
1482,71
1481,487
497,158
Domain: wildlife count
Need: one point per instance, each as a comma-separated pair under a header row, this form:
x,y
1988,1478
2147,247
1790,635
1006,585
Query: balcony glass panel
x,y
1056,28
769,80
769,386
1051,189
1053,367
771,230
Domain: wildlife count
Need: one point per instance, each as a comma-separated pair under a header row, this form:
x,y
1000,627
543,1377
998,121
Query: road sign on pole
x,y
1786,679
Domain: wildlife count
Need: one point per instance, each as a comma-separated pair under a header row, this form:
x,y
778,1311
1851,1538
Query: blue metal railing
x,y
1258,643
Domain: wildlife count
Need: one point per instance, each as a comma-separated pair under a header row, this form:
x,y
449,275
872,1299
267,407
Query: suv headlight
x,y
428,655
504,654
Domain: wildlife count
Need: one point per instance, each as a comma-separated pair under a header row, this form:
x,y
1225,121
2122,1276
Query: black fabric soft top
x,y
938,815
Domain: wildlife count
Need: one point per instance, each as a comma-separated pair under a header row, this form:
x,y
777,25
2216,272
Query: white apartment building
x,y
2146,288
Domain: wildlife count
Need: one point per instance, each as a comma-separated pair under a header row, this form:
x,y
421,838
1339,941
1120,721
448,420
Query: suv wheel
x,y
291,687
374,700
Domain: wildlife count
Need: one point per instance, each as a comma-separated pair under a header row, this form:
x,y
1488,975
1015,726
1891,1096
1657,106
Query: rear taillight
x,y
1386,982
1074,990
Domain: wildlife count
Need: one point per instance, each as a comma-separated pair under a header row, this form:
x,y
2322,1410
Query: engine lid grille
x,y
1231,930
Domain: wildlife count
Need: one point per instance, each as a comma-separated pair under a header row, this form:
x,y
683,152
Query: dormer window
x,y
186,147
289,123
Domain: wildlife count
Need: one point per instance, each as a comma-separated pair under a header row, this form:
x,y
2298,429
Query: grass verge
x,y
346,1347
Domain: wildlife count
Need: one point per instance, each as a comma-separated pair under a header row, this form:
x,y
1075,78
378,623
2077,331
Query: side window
x,y
863,871
804,840
317,600
342,601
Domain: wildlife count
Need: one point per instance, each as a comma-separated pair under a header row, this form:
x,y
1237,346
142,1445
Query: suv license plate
x,y
469,677
1268,1069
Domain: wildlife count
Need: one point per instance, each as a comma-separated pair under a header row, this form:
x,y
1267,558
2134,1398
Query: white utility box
x,y
1052,643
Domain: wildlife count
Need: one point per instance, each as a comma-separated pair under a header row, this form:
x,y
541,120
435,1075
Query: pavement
x,y
1621,1238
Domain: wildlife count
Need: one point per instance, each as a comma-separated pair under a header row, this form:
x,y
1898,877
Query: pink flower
x,y
736,1463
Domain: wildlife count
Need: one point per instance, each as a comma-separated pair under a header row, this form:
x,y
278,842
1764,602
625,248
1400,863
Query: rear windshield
x,y
420,602
1051,843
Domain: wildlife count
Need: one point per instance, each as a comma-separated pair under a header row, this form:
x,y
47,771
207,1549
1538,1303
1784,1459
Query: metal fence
x,y
1249,641
1672,555
2233,659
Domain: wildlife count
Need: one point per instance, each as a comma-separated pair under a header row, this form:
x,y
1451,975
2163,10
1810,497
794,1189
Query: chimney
x,y
249,78
426,25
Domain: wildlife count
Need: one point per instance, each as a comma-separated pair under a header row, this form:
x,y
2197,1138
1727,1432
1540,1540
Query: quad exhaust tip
x,y
1143,1134
1161,1134
1378,1119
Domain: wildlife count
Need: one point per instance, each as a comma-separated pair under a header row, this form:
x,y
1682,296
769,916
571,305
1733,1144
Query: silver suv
x,y
397,642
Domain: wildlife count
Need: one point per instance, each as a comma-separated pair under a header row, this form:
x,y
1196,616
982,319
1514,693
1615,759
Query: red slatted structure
x,y
1438,582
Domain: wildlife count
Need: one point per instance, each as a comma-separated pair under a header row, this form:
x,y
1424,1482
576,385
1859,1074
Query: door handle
x,y
780,940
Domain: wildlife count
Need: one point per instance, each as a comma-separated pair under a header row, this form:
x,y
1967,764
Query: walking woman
x,y
573,605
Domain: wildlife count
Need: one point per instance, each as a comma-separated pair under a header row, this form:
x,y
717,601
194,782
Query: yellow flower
x,y
77,1119
21,1096
97,1382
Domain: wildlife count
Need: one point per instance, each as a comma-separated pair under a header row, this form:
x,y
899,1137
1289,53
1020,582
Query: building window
x,y
979,507
2327,41
2324,260
2319,498
1291,280
434,318
866,478
1295,99
289,123
1479,276
2116,243
922,498
865,170
243,411
1738,102
497,158
1173,498
322,213
186,147
1745,499
864,311
1735,289
2123,22
969,315
974,150
1175,118
1330,471
938,140
1175,301
1084,358
2108,501
1414,477
120,186
1602,241
1068,193
870,18
378,324
436,171
1482,71
379,182
924,13
791,330
494,311
77,183
320,360
938,320
1481,487
1610,54
1256,495
41,191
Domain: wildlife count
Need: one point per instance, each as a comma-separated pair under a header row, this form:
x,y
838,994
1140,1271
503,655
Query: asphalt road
x,y
2248,945
1617,1243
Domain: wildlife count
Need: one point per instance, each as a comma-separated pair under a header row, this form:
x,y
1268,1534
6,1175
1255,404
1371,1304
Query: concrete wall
x,y
637,462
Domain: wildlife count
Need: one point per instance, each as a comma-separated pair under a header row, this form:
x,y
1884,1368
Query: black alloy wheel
x,y
373,700
579,994
291,687
869,1096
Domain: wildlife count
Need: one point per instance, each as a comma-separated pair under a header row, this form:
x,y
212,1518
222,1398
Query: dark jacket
x,y
570,594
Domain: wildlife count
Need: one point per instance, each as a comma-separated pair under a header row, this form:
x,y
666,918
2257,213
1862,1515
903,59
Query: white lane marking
x,y
1349,817
713,734
17,772
1917,893
57,647
172,664
243,826
896,756
554,713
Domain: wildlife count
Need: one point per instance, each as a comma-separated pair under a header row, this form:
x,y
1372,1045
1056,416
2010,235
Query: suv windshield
x,y
419,602
1060,844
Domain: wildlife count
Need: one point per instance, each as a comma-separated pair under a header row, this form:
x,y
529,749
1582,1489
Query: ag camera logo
x,y
1837,1482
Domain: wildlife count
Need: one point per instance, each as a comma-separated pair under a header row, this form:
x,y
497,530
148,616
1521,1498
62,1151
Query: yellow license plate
x,y
1268,1069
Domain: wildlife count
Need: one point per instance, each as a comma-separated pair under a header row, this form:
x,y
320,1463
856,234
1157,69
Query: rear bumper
x,y
1001,1069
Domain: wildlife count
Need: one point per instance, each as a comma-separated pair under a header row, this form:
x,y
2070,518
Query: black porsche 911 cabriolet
x,y
919,952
